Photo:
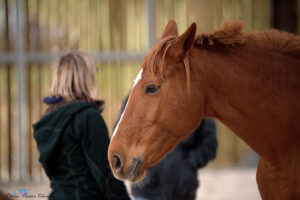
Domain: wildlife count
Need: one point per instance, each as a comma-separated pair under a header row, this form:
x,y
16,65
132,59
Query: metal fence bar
x,y
151,22
8,92
44,57
20,64
7,58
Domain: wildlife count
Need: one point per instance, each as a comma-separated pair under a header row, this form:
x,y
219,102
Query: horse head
x,y
161,109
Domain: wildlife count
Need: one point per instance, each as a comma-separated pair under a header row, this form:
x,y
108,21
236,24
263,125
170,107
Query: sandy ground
x,y
216,184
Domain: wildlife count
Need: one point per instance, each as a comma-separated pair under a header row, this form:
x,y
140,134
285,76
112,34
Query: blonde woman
x,y
72,137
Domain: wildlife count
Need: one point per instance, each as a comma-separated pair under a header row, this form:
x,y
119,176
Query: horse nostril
x,y
136,166
137,162
117,162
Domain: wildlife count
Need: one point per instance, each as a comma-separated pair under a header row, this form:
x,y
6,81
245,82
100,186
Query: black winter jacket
x,y
72,142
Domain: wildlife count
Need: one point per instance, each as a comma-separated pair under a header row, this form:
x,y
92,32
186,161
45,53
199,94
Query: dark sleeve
x,y
168,171
206,144
95,143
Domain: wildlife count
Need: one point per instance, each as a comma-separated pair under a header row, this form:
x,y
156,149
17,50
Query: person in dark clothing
x,y
4,196
72,137
175,177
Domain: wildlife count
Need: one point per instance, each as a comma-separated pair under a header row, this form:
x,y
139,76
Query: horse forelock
x,y
160,50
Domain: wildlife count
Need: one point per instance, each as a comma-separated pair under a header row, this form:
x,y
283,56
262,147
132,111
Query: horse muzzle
x,y
131,172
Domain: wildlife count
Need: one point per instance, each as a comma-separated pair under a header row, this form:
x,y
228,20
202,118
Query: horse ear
x,y
184,42
170,30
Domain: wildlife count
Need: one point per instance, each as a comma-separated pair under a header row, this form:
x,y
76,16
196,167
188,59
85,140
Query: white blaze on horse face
x,y
137,79
116,129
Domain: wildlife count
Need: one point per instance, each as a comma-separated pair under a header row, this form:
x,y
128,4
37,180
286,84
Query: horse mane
x,y
280,41
230,34
233,34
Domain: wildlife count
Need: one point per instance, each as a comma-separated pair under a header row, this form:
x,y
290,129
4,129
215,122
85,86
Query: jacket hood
x,y
49,130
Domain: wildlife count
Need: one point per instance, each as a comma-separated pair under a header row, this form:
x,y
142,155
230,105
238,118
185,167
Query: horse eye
x,y
151,89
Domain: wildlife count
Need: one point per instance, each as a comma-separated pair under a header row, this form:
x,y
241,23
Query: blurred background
x,y
117,34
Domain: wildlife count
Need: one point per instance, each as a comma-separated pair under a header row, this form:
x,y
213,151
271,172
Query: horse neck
x,y
242,90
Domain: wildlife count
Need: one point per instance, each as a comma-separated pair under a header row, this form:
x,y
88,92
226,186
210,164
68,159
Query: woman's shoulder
x,y
90,114
69,107
88,123
89,110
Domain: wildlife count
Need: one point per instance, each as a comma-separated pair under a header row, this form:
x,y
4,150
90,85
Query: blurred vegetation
x,y
103,25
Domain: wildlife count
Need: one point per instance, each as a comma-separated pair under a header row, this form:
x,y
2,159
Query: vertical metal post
x,y
298,17
20,64
7,44
151,22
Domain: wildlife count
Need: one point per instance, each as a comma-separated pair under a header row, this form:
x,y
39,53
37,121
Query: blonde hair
x,y
74,77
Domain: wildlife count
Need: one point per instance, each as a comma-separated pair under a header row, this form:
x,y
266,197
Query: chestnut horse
x,y
249,81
